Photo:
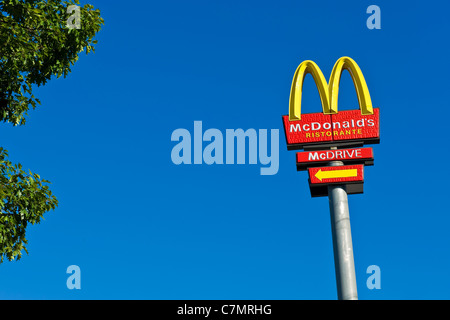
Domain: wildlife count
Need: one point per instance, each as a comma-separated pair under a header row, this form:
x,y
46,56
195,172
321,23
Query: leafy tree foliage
x,y
24,198
35,44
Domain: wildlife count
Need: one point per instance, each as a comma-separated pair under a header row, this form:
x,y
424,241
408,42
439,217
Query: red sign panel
x,y
313,158
326,175
314,128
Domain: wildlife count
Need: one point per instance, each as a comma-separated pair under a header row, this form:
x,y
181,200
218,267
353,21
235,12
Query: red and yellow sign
x,y
339,174
330,126
322,157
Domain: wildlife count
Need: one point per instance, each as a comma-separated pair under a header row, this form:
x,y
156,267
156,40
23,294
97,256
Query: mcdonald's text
x,y
346,125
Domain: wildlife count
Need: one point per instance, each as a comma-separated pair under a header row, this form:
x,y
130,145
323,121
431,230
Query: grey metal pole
x,y
342,241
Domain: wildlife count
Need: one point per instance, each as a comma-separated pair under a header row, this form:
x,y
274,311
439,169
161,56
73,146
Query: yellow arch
x,y
328,92
362,91
295,99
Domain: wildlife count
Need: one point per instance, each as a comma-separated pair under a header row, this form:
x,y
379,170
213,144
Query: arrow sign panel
x,y
327,175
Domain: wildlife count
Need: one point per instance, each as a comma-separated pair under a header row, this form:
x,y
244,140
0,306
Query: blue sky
x,y
141,227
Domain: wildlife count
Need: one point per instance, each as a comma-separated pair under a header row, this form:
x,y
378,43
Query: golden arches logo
x,y
328,92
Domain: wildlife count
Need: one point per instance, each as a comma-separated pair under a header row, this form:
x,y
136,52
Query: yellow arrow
x,y
346,173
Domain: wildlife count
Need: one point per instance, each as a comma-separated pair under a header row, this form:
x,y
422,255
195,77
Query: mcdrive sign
x,y
329,135
330,126
318,158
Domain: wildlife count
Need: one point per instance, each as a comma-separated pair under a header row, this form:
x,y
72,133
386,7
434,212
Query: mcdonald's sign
x,y
333,127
